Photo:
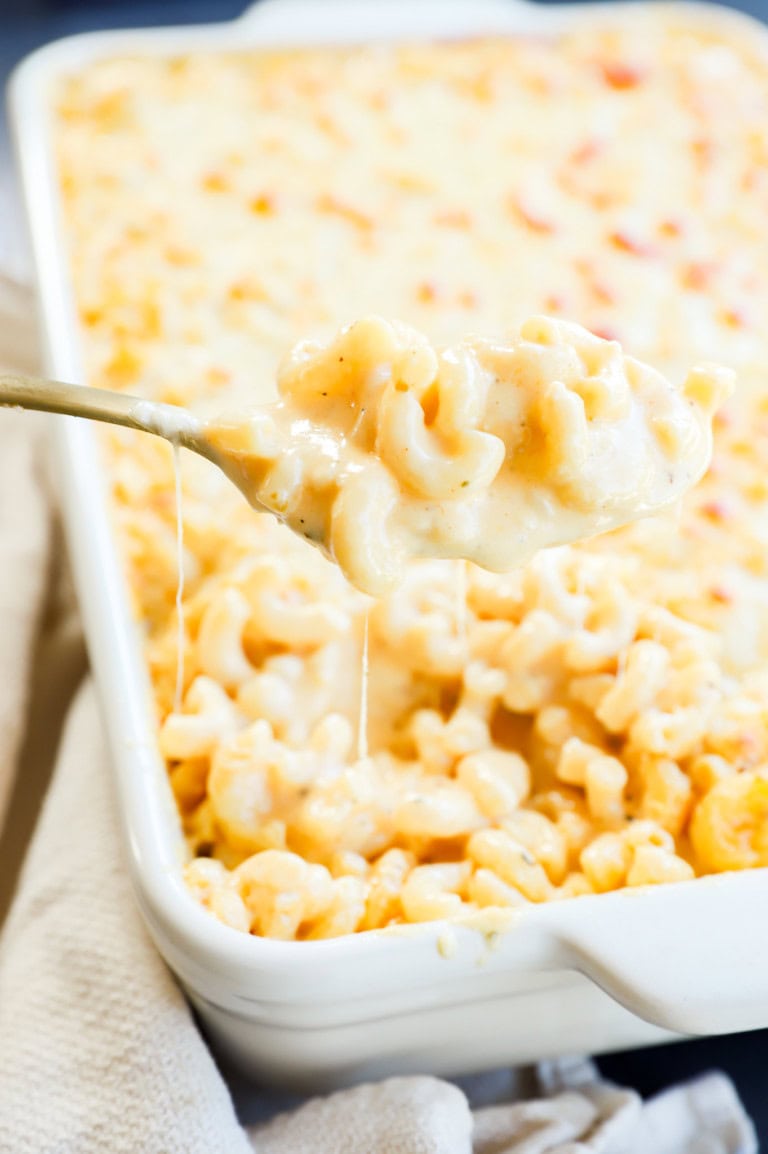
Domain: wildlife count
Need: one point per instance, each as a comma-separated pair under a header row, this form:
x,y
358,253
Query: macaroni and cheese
x,y
596,718
382,449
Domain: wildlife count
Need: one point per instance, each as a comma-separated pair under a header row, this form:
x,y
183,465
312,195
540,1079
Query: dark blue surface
x,y
29,23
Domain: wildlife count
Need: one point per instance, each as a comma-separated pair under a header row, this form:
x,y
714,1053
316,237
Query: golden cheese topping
x,y
382,449
596,718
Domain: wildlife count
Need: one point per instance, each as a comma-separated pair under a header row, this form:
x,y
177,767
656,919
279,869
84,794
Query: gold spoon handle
x,y
170,421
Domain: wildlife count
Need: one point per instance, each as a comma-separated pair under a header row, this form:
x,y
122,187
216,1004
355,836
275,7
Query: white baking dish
x,y
619,970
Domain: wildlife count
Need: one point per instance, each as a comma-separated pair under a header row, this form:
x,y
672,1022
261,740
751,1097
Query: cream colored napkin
x,y
24,535
98,1049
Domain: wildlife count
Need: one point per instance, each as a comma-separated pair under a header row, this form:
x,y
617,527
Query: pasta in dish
x,y
594,719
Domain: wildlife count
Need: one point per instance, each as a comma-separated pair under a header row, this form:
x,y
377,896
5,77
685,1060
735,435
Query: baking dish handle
x,y
263,8
690,957
306,12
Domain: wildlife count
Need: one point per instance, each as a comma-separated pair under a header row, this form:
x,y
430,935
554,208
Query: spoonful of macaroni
x,y
381,447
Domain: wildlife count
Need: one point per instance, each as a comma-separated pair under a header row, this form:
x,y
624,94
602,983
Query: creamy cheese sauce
x,y
382,448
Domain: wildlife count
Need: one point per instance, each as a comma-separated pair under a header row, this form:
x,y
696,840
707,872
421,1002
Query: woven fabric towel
x,y
98,1049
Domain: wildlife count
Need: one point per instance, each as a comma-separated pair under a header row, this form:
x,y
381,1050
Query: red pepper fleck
x,y
621,76
426,292
554,304
586,151
670,228
602,293
605,334
698,275
623,241
715,510
533,220
718,593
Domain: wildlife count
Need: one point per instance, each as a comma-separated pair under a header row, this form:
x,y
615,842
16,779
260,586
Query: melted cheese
x,y
383,449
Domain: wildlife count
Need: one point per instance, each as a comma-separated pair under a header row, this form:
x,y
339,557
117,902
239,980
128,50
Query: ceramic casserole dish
x,y
622,969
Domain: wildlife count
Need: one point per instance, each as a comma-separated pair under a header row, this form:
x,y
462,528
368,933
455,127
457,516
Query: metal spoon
x,y
174,423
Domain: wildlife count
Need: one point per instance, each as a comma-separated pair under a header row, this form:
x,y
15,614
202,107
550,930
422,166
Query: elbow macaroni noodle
x,y
594,719
382,449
